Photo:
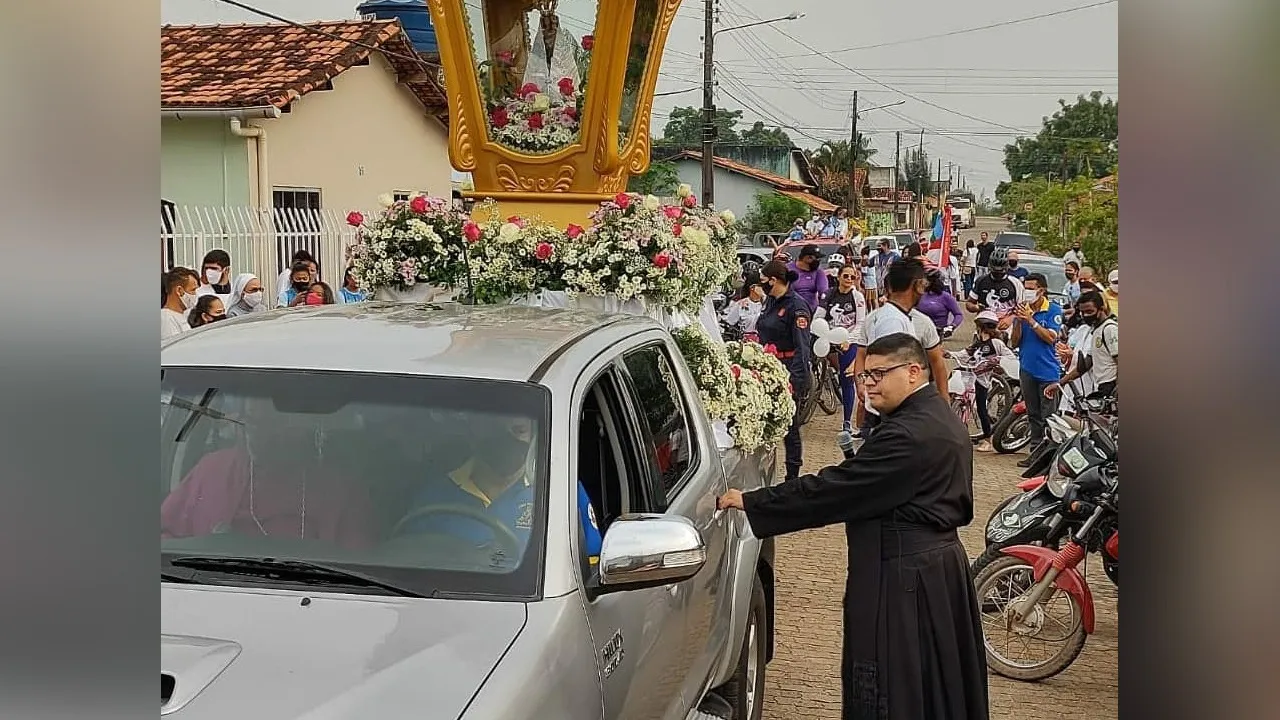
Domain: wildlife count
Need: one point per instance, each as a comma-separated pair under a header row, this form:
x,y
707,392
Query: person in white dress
x,y
178,294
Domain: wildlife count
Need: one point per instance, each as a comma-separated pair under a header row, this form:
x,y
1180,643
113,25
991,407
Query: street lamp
x,y
708,102
550,121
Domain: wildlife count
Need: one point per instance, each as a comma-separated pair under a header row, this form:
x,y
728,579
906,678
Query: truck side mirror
x,y
642,550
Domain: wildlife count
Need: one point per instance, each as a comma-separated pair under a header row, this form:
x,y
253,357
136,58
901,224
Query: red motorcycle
x,y
1035,597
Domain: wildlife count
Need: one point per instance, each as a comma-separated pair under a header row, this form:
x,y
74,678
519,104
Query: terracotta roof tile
x,y
777,181
232,66
809,199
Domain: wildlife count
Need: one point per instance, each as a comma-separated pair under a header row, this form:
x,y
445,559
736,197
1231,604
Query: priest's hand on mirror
x,y
731,499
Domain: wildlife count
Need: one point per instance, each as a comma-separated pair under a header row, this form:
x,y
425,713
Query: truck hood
x,y
239,652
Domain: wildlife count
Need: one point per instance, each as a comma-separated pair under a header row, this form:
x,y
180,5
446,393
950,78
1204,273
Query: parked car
x,y
1053,269
341,419
756,255
904,238
1016,240
826,245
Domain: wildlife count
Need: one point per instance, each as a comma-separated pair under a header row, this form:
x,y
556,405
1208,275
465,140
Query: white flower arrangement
x,y
410,242
512,258
710,365
763,406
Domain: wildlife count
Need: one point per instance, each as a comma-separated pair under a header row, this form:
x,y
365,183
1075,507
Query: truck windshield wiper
x,y
289,570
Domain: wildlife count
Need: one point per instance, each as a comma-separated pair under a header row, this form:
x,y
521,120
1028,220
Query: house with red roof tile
x,y
324,116
737,183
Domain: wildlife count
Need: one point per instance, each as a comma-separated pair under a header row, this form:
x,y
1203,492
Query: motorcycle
x,y
1029,579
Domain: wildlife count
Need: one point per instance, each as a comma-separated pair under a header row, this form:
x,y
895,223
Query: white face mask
x,y
213,276
189,300
253,299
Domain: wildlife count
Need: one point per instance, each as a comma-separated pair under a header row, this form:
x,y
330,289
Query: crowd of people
x,y
191,299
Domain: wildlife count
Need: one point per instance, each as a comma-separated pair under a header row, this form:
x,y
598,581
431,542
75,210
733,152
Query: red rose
x,y
535,121
499,117
677,229
771,349
528,89
573,231
737,371
570,112
471,231
671,211
588,42
755,374
622,200
506,57
543,250
355,219
690,201
418,204
566,86
662,260
516,220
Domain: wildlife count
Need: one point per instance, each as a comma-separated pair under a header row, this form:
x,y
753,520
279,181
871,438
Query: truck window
x,y
663,410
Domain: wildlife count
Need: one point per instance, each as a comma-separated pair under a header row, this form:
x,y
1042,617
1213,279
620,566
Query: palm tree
x,y
834,155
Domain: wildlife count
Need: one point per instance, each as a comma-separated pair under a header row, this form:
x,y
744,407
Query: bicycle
x,y
963,390
824,389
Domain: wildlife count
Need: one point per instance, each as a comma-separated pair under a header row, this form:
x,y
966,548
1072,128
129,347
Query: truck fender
x,y
1069,581
746,553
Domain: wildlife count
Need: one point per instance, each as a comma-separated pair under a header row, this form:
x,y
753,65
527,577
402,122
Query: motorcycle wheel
x,y
1011,434
1002,582
999,398
829,390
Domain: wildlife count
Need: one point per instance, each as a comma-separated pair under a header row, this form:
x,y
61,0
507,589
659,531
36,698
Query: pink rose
x,y
736,370
771,349
622,200
671,211
588,42
662,260
355,219
499,117
570,112
573,231
418,204
535,121
516,220
543,251
506,57
471,231
529,89
566,86
677,229
690,201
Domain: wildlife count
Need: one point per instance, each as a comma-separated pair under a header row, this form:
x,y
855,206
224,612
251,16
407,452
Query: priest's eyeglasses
x,y
873,377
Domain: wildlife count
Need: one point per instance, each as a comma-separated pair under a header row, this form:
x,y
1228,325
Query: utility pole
x,y
915,225
708,106
897,164
937,188
853,161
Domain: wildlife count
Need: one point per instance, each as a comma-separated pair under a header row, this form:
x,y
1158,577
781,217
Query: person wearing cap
x,y
745,308
1112,293
784,325
985,352
811,280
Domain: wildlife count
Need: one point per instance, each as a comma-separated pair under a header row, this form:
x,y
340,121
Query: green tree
x,y
915,174
758,134
1088,215
684,127
773,212
835,156
1081,139
660,179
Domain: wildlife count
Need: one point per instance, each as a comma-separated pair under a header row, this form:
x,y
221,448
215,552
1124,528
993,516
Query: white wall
x,y
733,191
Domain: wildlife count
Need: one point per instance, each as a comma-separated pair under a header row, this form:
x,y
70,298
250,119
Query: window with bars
x,y
297,223
400,196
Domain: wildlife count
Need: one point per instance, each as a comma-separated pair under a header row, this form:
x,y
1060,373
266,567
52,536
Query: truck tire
x,y
745,690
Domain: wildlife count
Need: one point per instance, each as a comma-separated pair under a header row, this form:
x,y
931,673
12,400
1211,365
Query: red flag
x,y
945,258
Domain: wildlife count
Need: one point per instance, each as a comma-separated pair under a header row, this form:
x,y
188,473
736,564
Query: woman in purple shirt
x,y
939,305
812,283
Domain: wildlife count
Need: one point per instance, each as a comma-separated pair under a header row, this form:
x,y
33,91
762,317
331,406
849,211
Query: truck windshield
x,y
437,485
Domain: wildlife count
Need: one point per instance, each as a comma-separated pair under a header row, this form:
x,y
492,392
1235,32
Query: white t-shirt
x,y
1106,351
889,319
1081,344
971,257
172,323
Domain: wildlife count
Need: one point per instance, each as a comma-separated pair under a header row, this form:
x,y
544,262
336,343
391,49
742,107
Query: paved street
x,y
804,677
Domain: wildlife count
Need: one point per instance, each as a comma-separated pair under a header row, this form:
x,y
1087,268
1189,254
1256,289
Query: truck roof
x,y
492,342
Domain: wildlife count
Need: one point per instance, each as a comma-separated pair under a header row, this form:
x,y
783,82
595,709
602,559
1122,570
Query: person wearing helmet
x,y
745,307
986,350
835,262
997,291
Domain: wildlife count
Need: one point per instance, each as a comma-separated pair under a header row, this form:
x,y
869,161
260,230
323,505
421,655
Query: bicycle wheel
x,y
829,397
964,410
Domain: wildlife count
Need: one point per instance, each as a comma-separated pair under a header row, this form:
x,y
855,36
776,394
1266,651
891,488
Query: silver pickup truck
x,y
440,511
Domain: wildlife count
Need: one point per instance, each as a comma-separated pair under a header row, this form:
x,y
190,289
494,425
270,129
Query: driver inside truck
x,y
490,496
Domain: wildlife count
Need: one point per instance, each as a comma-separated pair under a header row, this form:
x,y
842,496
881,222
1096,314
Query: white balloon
x,y
820,327
822,347
838,336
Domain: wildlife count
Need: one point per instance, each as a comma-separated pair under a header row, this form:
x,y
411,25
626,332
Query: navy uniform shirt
x,y
784,323
513,509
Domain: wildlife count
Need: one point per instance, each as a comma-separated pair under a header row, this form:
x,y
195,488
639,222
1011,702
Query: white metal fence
x,y
260,242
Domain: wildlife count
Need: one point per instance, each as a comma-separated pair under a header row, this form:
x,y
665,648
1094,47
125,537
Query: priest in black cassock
x,y
913,647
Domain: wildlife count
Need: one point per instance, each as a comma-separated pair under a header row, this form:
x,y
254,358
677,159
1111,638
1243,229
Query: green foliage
x,y
660,179
758,134
1079,140
684,127
915,174
773,212
1092,216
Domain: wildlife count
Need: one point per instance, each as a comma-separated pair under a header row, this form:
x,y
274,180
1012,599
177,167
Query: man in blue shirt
x,y
494,497
1014,271
1035,333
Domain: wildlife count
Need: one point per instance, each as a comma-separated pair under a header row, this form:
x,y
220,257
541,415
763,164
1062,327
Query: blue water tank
x,y
414,17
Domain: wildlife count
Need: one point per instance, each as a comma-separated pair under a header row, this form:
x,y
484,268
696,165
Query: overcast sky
x,y
1004,79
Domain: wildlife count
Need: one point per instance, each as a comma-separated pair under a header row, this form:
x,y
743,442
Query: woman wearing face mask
x,y
844,306
299,284
208,309
177,296
743,311
784,325
939,305
246,296
319,294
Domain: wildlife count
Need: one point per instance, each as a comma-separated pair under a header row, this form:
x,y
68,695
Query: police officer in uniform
x,y
784,323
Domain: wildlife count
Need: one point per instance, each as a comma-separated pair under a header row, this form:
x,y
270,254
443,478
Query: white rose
x,y
385,200
684,190
541,103
509,231
727,217
651,203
